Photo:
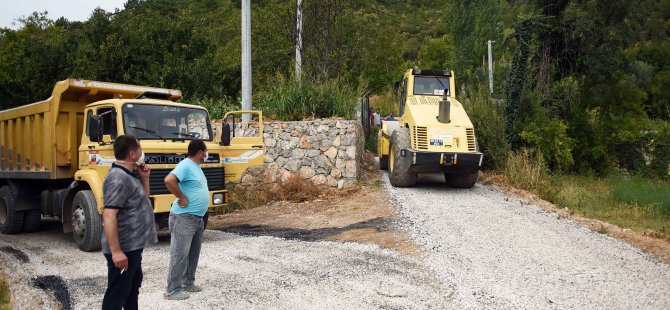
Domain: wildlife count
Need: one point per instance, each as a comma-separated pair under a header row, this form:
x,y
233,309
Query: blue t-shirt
x,y
193,183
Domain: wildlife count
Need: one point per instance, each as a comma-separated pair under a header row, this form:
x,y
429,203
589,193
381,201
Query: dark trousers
x,y
123,289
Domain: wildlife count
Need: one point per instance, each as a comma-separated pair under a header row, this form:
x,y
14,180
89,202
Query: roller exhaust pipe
x,y
444,113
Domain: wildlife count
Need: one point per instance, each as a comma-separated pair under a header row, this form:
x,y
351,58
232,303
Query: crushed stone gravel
x,y
495,251
241,272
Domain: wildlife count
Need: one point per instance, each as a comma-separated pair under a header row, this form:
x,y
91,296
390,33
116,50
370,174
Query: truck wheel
x,y
399,172
383,162
86,222
462,180
32,220
11,220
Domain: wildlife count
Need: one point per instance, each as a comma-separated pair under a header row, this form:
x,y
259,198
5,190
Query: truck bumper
x,y
448,162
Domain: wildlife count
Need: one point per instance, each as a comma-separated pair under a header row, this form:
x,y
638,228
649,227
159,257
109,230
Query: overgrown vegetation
x,y
293,189
632,202
294,100
581,87
5,296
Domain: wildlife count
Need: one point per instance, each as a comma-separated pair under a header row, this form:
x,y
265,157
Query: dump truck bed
x,y
41,140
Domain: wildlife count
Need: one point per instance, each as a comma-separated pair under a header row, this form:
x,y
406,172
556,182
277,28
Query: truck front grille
x,y
157,184
472,146
420,138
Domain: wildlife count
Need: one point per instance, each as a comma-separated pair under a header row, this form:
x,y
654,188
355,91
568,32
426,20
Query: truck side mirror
x,y
225,135
95,128
396,87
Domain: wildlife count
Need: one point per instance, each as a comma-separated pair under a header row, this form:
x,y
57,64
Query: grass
x,y
631,202
635,203
371,140
290,100
5,297
526,169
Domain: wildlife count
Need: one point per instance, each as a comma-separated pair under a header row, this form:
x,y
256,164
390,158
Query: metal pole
x,y
246,59
298,43
490,43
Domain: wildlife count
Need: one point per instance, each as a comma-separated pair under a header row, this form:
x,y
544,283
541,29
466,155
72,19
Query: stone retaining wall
x,y
324,152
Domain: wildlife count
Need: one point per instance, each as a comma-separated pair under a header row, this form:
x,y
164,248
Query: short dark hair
x,y
124,144
196,146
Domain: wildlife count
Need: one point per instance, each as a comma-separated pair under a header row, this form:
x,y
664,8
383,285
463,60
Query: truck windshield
x,y
166,122
428,85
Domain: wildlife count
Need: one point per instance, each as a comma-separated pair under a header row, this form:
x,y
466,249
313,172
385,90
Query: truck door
x,y
99,155
242,143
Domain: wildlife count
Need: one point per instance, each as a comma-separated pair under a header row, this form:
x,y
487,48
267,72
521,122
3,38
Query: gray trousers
x,y
185,242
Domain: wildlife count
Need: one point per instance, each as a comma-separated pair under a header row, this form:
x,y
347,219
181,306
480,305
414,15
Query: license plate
x,y
436,142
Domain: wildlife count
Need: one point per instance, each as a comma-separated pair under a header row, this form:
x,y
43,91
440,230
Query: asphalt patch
x,y
20,255
56,285
379,223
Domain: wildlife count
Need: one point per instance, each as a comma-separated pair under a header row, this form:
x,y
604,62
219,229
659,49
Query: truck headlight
x,y
217,199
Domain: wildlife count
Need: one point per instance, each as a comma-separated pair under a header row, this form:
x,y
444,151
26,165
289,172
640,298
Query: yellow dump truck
x,y
54,154
432,134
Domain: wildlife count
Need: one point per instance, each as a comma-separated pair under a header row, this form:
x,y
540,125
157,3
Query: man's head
x,y
127,148
377,111
197,150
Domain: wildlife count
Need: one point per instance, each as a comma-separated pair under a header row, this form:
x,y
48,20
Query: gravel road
x,y
493,251
236,272
482,249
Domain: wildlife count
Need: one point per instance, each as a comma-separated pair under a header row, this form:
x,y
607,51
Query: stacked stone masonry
x,y
324,152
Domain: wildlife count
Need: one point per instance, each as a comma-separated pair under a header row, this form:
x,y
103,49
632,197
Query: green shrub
x,y
660,161
371,140
218,107
550,137
488,118
290,100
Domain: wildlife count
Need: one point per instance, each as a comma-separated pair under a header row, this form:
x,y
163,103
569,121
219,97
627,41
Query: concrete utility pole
x,y
490,45
246,59
298,41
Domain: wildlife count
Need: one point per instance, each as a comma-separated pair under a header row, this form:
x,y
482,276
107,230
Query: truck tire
x,y
32,220
383,162
399,172
462,180
86,222
11,220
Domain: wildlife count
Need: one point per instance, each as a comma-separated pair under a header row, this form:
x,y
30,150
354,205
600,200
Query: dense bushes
x,y
289,100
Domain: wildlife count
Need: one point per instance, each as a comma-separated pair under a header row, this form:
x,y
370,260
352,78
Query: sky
x,y
73,10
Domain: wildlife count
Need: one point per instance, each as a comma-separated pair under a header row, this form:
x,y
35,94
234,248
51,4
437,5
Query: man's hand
x,y
182,202
120,260
144,171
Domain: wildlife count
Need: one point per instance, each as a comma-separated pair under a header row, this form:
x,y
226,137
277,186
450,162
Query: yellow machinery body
x,y
430,145
47,155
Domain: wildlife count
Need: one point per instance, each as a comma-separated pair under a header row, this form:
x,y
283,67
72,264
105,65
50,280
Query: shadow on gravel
x,y
57,286
379,223
20,255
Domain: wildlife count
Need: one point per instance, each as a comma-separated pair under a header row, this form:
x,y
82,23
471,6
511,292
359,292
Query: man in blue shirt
x,y
189,184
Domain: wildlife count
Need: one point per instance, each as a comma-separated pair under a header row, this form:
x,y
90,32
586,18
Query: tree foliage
x,y
586,82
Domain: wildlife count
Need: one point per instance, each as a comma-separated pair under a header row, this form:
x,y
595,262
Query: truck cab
x,y
433,133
